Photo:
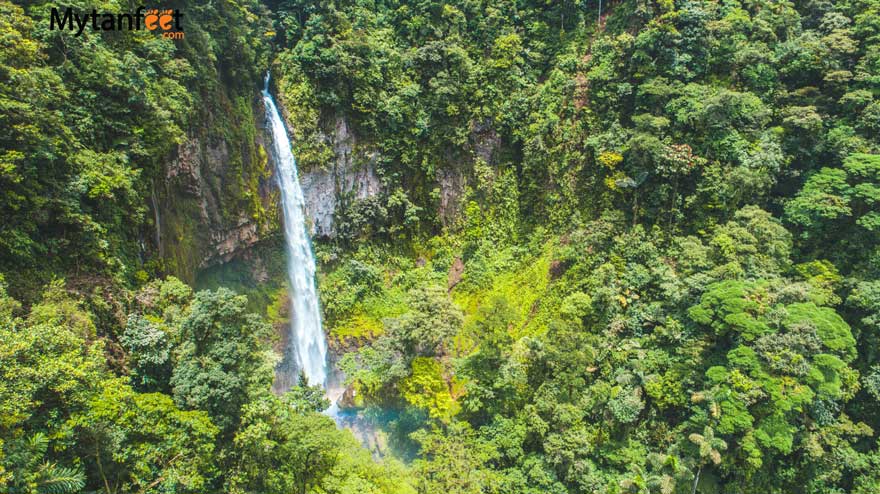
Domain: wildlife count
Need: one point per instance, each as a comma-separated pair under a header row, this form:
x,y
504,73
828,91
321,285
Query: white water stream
x,y
306,345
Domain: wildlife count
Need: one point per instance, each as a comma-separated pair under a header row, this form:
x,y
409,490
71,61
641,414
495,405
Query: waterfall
x,y
306,348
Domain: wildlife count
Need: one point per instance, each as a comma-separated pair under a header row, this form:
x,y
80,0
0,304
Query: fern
x,y
60,480
39,444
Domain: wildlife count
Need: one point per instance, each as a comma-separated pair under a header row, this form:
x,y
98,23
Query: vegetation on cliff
x,y
659,270
91,122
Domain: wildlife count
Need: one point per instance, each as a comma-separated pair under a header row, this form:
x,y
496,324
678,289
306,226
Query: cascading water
x,y
306,347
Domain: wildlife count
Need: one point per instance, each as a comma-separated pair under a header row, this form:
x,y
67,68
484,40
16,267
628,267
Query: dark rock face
x,y
197,171
452,186
484,144
350,176
217,197
485,141
456,271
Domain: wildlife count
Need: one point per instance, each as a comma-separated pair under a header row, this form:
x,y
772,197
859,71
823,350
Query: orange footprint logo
x,y
158,19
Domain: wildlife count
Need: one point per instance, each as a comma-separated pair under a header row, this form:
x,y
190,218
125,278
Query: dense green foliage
x,y
641,367
667,111
664,249
90,121
70,422
635,253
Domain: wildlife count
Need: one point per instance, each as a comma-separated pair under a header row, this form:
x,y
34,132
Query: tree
x,y
283,448
149,349
710,451
31,473
454,461
492,329
69,424
425,331
222,361
136,442
839,206
304,398
50,368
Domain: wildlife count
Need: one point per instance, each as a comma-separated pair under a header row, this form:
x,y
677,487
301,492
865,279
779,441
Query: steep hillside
x,y
110,134
632,256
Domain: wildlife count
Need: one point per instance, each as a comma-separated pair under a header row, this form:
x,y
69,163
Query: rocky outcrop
x,y
196,172
484,144
456,272
227,244
216,200
350,176
219,196
452,185
485,141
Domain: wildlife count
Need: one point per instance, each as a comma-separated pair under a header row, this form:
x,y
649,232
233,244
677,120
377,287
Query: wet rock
x,y
348,398
455,273
351,176
210,210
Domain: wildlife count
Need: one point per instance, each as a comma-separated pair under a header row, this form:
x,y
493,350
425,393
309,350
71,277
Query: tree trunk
x,y
101,469
697,480
635,206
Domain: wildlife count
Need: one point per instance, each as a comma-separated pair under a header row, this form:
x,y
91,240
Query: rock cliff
x,y
349,176
217,198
